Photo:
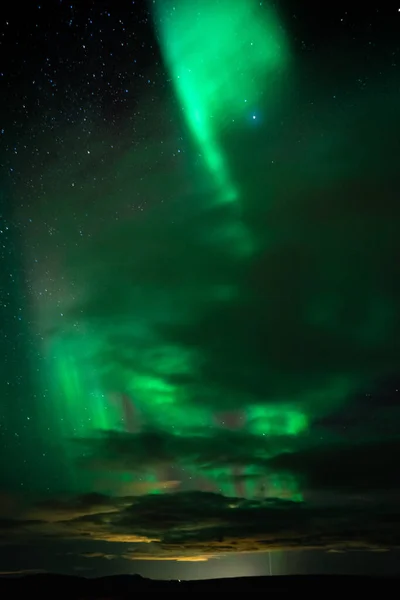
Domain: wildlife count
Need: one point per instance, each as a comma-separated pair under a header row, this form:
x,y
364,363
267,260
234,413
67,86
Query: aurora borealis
x,y
202,243
222,60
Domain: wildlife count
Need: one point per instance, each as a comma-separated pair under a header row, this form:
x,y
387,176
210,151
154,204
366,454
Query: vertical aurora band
x,y
222,58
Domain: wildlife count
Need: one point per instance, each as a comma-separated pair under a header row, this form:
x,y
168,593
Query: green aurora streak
x,y
222,59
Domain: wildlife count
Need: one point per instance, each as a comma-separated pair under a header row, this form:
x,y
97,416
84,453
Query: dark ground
x,y
126,586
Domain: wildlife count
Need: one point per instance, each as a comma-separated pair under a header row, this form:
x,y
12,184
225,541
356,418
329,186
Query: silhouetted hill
x,y
126,586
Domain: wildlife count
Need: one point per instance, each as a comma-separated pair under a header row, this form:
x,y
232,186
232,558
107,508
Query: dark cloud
x,y
199,526
335,462
357,467
73,507
206,448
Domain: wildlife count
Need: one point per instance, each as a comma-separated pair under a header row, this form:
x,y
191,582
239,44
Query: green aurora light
x,y
222,59
223,63
234,314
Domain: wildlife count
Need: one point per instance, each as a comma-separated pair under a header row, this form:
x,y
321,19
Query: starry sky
x,y
199,288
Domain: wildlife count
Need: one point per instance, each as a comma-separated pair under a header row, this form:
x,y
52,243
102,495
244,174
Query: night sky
x,y
199,287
